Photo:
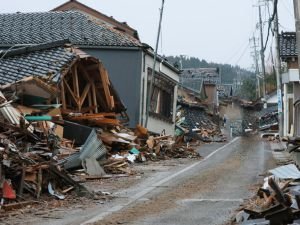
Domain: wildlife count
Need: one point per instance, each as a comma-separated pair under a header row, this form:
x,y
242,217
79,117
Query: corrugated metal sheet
x,y
286,172
92,148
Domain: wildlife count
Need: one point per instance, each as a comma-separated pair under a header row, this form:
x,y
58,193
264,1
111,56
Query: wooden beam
x,y
62,94
94,96
75,81
84,93
71,92
105,85
112,115
90,101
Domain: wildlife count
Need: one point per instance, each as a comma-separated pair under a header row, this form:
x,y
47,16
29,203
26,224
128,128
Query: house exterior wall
x,y
124,69
292,64
296,109
154,124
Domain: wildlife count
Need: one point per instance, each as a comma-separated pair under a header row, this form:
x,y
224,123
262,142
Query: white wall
x,y
156,125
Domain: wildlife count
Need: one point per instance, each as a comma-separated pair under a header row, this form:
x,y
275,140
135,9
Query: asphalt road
x,y
202,192
205,193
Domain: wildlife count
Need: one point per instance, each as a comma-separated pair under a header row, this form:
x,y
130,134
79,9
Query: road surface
x,y
205,193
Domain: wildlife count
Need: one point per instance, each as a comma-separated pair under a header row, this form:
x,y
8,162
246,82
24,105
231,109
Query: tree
x,y
248,89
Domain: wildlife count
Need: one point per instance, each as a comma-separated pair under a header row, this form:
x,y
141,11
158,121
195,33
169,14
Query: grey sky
x,y
214,30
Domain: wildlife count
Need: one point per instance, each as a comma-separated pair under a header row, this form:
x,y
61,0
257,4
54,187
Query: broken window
x,y
162,97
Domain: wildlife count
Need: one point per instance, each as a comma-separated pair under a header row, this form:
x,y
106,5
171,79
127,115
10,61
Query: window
x,y
162,97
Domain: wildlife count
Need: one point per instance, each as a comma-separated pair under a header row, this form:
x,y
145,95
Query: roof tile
x,y
288,44
41,27
17,65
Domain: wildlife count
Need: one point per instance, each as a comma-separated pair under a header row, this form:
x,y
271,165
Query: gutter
x,y
161,60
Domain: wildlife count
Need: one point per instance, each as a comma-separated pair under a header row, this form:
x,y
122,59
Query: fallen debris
x,y
277,201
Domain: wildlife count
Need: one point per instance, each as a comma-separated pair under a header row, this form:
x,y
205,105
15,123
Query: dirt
x,y
205,182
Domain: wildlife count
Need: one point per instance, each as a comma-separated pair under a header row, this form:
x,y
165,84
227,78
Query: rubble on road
x,y
277,201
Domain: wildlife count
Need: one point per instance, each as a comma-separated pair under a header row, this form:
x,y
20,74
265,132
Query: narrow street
x,y
207,192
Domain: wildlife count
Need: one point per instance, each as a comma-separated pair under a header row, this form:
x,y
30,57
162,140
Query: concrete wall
x,y
124,69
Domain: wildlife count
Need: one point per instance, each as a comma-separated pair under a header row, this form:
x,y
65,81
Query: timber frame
x,y
86,88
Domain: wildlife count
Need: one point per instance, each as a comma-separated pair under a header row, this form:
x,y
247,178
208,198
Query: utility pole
x,y
255,56
262,53
297,23
296,86
153,68
278,70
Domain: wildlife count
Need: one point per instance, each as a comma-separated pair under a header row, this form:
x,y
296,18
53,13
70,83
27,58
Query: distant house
x,y
128,62
209,75
290,80
210,79
193,86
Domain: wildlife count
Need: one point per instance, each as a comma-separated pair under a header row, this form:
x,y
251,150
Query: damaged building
x,y
58,73
126,59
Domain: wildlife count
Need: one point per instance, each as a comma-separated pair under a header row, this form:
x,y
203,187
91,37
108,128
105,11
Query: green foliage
x,y
248,89
270,82
228,72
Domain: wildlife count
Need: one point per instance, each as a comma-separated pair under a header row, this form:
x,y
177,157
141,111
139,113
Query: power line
x,y
243,53
236,52
270,23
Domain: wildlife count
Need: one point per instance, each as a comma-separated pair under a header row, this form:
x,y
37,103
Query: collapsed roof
x,y
83,81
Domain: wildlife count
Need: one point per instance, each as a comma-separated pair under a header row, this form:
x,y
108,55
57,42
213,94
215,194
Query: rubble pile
x,y
65,126
196,123
38,154
277,201
44,154
269,121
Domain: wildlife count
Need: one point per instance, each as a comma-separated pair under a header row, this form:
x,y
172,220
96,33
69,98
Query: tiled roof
x,y
194,84
41,60
41,27
288,44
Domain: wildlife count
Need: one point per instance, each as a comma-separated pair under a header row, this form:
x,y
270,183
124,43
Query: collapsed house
x,y
58,73
195,117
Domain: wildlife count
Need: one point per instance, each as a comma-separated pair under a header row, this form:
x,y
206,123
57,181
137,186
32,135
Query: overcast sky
x,y
214,30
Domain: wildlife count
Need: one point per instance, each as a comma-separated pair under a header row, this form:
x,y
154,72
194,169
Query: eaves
x,y
133,48
160,59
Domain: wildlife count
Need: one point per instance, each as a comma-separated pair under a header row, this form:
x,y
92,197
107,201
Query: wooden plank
x,y
75,81
96,115
106,121
94,96
71,92
39,183
103,77
112,100
84,94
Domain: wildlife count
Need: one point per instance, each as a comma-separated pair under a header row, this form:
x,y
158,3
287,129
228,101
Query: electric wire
x,y
270,23
243,53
